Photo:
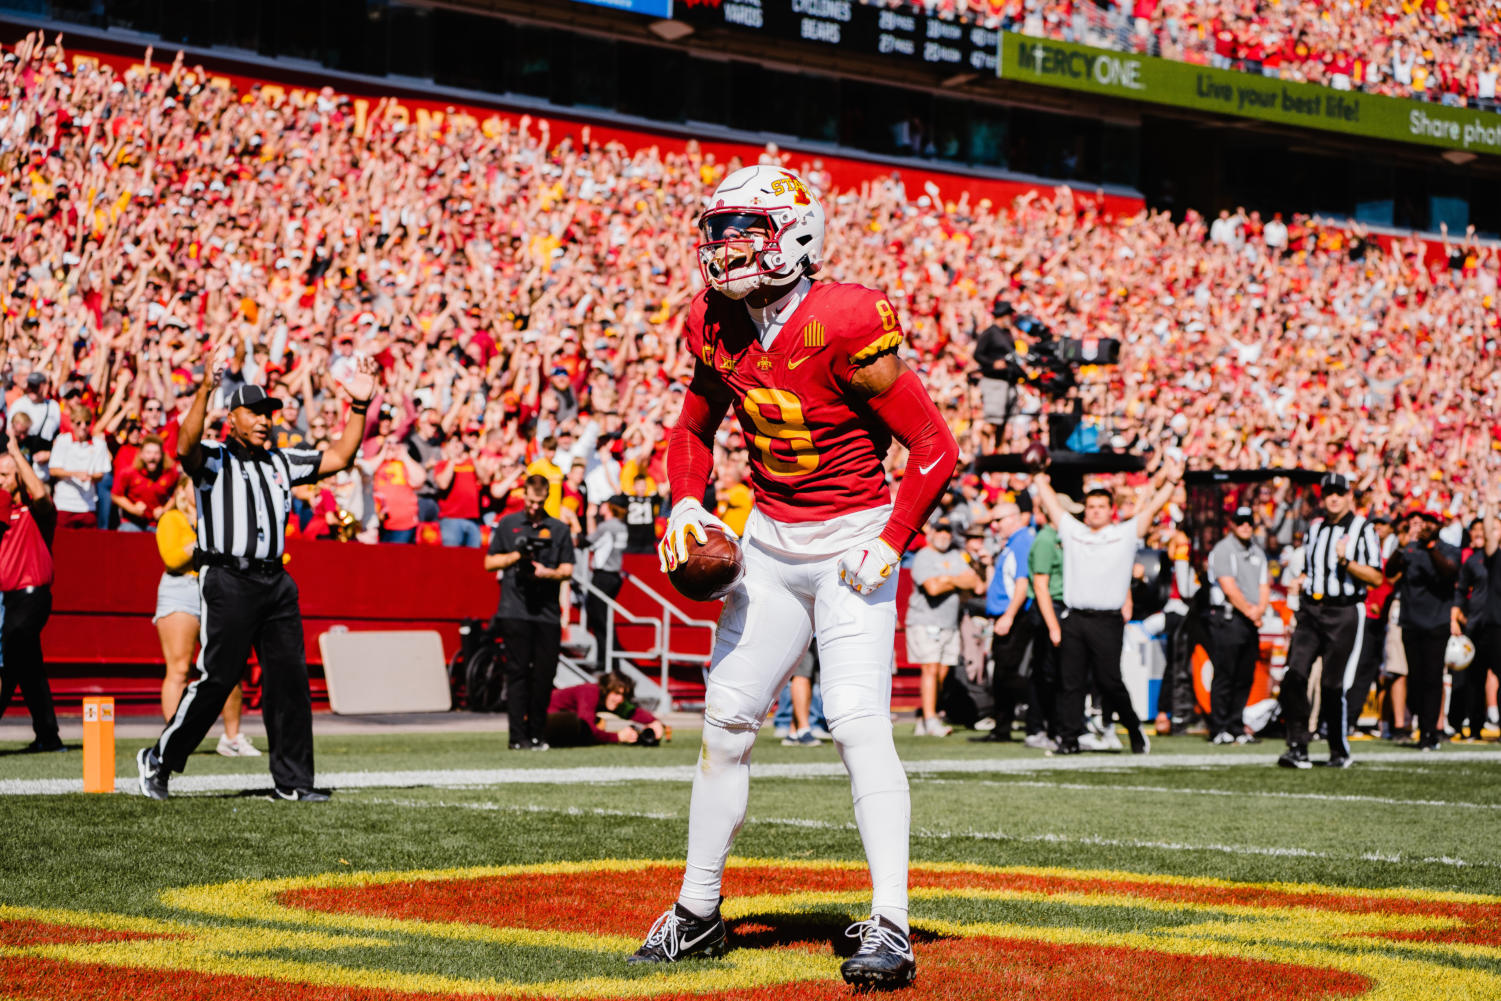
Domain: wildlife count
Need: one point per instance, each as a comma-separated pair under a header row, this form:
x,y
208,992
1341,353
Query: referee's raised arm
x,y
190,432
361,389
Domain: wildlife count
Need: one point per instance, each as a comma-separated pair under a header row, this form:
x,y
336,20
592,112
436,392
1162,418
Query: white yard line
x,y
450,778
1392,858
1319,797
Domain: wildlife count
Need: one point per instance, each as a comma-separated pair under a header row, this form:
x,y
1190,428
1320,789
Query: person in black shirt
x,y
1424,571
993,350
641,510
1471,617
535,556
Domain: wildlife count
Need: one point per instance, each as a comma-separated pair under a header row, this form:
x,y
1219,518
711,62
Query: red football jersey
x,y
815,448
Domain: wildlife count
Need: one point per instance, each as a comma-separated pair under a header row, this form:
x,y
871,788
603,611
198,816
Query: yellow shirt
x,y
735,507
545,467
175,539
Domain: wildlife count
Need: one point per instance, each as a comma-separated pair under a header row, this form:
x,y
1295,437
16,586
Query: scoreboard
x,y
856,28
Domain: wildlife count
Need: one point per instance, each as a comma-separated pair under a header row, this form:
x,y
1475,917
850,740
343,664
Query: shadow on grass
x,y
810,930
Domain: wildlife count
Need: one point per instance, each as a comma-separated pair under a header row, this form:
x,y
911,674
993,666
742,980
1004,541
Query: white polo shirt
x,y
1097,564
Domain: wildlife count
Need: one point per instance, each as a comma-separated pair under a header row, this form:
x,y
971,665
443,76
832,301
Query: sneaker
x,y
1040,741
518,745
1108,741
934,727
1247,738
1336,761
299,795
1295,757
781,731
1066,747
801,738
1140,742
240,747
538,745
884,960
820,732
37,747
681,934
986,724
1223,737
153,775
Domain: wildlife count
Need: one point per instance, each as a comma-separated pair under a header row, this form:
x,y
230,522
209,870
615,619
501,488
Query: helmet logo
x,y
791,184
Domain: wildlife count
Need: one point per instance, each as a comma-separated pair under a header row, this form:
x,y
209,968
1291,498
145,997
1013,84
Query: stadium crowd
x,y
1434,51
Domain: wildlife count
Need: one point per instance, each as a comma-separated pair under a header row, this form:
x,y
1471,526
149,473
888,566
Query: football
x,y
712,568
1035,457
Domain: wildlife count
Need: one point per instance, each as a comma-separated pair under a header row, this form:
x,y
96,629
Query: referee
x,y
1341,560
245,596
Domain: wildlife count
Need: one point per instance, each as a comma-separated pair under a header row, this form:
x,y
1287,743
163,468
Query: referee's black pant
x,y
238,610
1425,679
1091,649
531,664
26,612
1367,668
1333,634
1233,646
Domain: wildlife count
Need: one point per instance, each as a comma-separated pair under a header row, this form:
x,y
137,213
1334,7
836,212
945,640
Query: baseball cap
x,y
943,525
1242,514
253,398
1334,483
1426,512
36,380
975,532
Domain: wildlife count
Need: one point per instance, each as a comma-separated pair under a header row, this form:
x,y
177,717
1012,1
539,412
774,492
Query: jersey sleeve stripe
x,y
882,344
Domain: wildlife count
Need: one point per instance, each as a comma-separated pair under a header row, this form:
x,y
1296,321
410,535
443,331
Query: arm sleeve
x,y
907,410
690,447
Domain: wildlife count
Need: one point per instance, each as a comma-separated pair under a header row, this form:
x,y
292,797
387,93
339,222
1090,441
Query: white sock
x,y
721,794
883,808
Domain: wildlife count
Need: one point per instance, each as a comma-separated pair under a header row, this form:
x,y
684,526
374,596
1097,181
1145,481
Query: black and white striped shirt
x,y
244,496
1326,544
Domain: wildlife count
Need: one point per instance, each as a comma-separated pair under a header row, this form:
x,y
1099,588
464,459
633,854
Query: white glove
x,y
866,567
688,515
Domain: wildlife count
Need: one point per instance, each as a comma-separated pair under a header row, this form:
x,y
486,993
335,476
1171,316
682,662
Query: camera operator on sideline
x,y
575,715
534,553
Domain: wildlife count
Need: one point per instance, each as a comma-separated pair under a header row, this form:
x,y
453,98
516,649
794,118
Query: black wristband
x,y
360,408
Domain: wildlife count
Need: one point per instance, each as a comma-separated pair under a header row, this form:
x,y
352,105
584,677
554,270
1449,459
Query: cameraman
x,y
534,554
575,715
998,372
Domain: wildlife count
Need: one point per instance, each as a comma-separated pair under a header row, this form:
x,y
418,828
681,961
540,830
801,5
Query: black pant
x,y
1234,644
26,612
242,610
1469,688
531,663
1425,678
1333,633
598,613
1007,655
1091,649
1042,702
1367,668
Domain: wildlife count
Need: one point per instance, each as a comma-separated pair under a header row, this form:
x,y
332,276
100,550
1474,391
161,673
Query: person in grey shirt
x,y
606,546
941,574
1239,593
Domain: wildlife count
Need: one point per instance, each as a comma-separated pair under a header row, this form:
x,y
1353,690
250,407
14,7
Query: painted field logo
x,y
563,930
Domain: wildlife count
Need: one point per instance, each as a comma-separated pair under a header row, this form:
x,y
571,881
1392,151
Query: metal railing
x,y
660,650
671,612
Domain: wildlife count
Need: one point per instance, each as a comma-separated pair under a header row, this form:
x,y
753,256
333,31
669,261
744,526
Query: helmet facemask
x,y
740,251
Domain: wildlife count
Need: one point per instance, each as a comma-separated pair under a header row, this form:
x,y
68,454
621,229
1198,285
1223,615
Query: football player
x,y
811,372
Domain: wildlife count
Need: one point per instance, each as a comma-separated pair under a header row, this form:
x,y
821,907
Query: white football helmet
x,y
762,227
1459,652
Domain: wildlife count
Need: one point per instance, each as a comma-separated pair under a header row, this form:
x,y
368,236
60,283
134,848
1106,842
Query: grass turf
x,y
1396,820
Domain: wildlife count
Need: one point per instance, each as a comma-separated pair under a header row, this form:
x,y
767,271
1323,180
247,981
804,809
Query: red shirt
x,y
26,546
461,499
395,496
153,491
813,455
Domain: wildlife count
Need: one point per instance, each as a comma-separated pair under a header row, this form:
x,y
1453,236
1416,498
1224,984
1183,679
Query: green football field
x,y
447,866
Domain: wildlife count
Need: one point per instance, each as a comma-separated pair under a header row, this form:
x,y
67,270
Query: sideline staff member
x,y
1097,561
1342,556
534,553
27,523
244,495
1238,570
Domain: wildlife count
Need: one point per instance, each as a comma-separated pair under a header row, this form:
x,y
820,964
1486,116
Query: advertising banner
x,y
1163,81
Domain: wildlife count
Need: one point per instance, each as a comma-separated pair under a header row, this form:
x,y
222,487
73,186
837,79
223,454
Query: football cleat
x,y
884,960
153,777
1295,757
680,934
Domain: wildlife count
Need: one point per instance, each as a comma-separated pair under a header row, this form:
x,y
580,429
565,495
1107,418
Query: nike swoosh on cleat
x,y
685,946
